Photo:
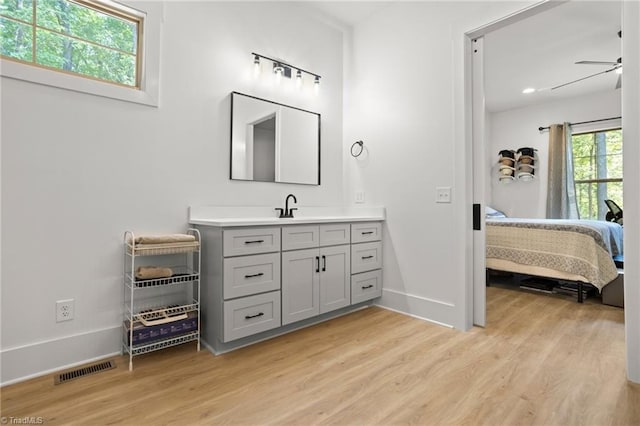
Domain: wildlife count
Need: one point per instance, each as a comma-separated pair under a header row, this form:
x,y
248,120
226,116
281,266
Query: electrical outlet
x,y
359,197
64,310
443,194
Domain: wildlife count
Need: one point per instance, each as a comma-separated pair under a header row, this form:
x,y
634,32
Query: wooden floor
x,y
541,360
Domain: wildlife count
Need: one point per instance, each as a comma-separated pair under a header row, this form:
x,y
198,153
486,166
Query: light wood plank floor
x,y
541,360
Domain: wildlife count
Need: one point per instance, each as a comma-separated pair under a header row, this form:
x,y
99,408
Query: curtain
x,y
561,190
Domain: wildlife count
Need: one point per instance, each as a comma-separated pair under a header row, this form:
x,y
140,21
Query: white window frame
x,y
146,94
616,125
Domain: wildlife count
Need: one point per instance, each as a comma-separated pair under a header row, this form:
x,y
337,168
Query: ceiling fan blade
x,y
609,63
583,78
619,83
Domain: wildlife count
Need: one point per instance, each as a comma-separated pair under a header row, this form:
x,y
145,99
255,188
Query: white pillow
x,y
493,213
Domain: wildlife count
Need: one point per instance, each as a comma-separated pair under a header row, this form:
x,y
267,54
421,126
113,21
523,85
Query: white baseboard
x,y
29,361
435,311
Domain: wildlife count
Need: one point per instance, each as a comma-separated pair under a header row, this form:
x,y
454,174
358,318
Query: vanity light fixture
x,y
282,69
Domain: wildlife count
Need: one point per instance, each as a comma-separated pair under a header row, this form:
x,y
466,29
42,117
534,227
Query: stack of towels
x,y
156,272
165,239
152,272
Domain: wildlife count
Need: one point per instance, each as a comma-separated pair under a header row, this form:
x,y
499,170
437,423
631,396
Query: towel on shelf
x,y
165,239
152,272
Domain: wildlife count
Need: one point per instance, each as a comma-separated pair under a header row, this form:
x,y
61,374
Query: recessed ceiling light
x,y
528,90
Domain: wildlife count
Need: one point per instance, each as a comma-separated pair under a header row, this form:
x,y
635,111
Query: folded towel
x,y
152,272
164,239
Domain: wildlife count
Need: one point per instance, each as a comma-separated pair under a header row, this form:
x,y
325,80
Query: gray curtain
x,y
561,192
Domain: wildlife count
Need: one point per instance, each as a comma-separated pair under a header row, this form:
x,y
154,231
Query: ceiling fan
x,y
613,66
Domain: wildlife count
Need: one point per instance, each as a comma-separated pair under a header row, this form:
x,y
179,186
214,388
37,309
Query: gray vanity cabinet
x,y
315,280
262,281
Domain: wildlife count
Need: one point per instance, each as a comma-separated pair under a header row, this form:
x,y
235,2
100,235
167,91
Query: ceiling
x,y
538,52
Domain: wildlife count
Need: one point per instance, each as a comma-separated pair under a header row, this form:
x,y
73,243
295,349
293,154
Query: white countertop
x,y
230,216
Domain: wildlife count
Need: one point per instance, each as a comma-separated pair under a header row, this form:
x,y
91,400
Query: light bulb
x,y
278,70
619,70
256,65
299,79
316,84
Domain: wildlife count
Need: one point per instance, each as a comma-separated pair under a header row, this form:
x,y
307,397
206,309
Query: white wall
x,y
518,128
79,170
404,84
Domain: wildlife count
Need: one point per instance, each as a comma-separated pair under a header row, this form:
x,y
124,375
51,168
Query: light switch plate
x,y
359,197
443,194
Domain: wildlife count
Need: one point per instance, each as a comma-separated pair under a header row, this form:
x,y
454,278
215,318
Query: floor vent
x,y
84,371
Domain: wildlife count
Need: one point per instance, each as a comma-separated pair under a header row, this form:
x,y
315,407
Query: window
x,y
597,162
97,40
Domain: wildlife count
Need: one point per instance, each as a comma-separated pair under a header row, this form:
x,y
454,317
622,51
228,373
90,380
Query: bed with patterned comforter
x,y
574,250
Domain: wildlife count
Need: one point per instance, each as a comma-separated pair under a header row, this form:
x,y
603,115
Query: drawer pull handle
x,y
364,287
368,232
259,314
254,275
254,242
366,257
324,262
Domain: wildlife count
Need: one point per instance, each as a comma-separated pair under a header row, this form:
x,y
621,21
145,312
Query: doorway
x,y
476,41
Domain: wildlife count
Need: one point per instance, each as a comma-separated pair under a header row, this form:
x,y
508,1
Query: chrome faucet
x,y
287,212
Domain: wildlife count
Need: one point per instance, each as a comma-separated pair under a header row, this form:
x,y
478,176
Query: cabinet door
x,y
334,234
247,275
366,286
365,232
251,315
300,237
366,257
335,270
239,242
300,285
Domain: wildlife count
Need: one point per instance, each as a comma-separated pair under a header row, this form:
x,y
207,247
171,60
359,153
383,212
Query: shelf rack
x,y
156,301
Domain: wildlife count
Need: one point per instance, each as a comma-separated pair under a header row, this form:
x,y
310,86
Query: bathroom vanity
x,y
263,276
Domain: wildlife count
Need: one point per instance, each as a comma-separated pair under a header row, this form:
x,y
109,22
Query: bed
x,y
579,251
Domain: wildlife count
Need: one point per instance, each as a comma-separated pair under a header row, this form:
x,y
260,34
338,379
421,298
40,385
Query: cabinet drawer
x,y
247,275
335,234
366,257
365,232
237,242
300,237
365,286
250,315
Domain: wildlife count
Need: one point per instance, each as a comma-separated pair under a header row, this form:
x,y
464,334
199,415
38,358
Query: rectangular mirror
x,y
272,142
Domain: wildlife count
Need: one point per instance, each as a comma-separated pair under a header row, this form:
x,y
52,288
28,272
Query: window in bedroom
x,y
597,163
99,40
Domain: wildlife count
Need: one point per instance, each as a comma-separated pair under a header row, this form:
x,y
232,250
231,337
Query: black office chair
x,y
615,212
